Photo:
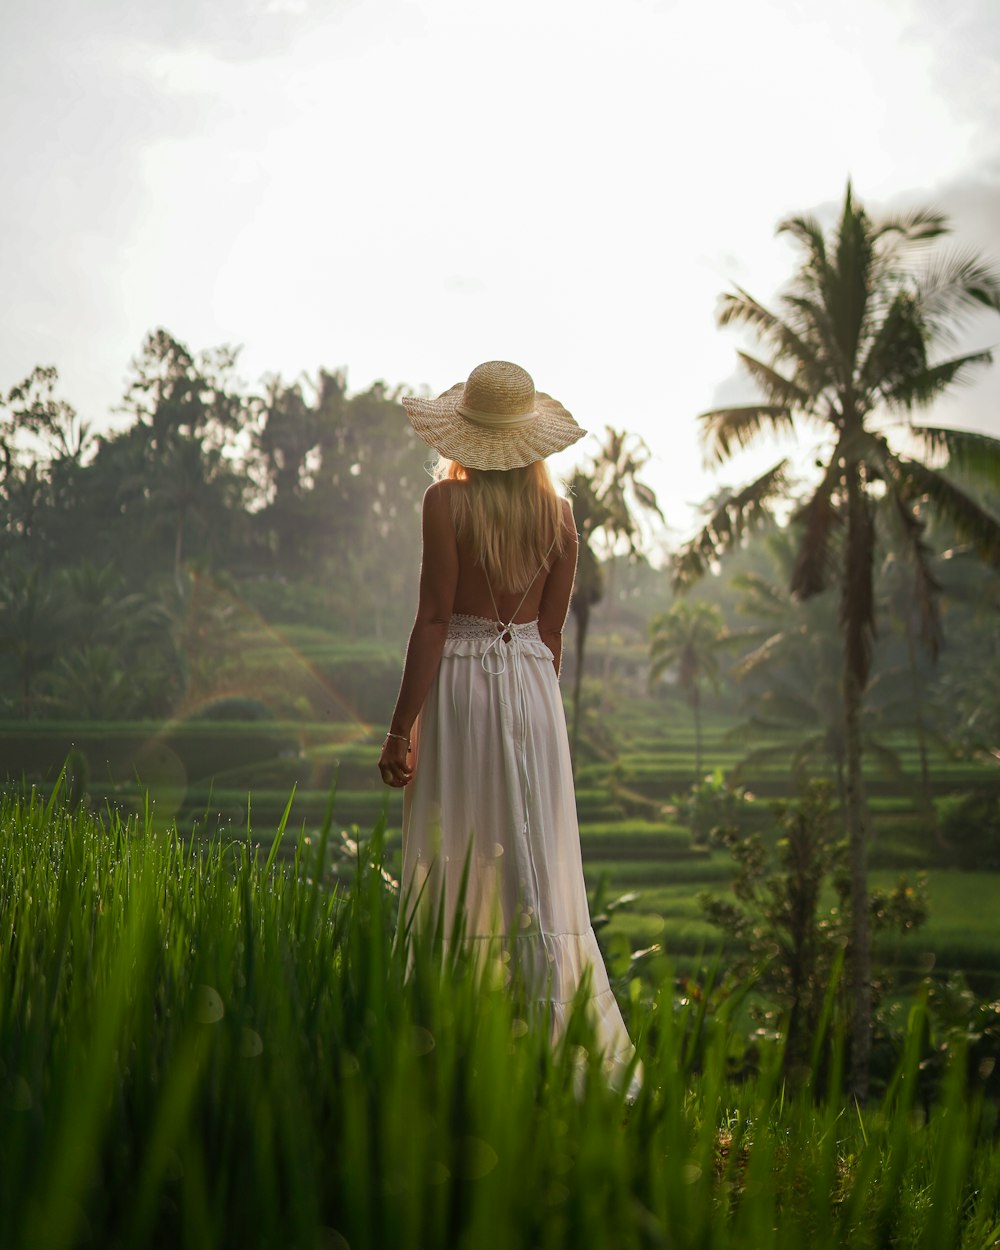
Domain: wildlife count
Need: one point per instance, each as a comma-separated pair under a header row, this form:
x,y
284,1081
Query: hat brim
x,y
548,428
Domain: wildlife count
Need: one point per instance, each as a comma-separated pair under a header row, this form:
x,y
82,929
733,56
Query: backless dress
x,y
493,780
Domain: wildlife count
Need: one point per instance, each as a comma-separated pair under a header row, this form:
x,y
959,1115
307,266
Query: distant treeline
x,y
293,501
260,546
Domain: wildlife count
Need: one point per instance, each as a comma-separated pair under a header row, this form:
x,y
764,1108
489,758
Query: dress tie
x,y
509,631
506,638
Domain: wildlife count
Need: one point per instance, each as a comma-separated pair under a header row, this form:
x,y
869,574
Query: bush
x,y
711,807
785,939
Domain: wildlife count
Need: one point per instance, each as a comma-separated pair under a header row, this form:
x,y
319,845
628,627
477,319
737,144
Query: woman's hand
x,y
394,762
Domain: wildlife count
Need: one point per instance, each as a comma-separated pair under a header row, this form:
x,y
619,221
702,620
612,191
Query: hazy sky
x,y
406,189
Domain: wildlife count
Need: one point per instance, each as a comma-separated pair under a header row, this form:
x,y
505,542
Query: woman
x,y
478,736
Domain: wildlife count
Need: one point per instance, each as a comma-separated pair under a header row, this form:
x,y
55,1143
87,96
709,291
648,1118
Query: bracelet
x,y
401,737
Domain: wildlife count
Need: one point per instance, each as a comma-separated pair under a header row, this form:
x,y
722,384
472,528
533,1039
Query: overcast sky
x,y
406,189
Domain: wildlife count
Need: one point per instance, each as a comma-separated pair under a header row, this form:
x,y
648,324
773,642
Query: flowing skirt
x,y
493,782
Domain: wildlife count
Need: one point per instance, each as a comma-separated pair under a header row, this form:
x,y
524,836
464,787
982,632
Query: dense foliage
x,y
855,340
129,556
226,542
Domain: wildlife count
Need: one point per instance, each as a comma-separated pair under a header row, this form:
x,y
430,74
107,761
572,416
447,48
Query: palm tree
x,y
790,668
855,340
688,640
91,683
791,673
606,499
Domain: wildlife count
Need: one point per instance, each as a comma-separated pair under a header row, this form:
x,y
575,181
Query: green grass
x,y
649,873
204,1046
963,927
668,914
962,932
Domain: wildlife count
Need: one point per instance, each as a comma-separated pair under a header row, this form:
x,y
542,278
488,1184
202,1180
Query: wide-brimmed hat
x,y
494,420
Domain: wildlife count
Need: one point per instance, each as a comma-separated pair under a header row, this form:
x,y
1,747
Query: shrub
x,y
712,806
787,943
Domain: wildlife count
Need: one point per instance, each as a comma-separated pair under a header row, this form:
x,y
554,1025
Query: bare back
x,y
547,598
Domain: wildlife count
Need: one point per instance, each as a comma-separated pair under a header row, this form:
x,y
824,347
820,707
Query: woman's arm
x,y
438,579
554,606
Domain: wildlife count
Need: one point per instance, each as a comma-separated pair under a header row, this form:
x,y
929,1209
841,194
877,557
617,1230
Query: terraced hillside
x,y
202,774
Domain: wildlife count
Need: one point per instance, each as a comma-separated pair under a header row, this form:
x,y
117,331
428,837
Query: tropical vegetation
x,y
686,641
856,344
248,668
608,501
204,1044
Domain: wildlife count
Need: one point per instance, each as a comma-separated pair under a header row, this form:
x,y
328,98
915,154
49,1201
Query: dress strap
x,y
507,638
496,610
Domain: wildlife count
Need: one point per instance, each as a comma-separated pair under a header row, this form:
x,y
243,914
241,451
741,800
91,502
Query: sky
x,y
404,189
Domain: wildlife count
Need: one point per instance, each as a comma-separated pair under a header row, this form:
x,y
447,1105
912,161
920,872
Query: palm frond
x,y
975,455
974,524
814,323
916,226
926,587
915,390
759,655
735,515
875,453
955,285
819,520
808,232
777,388
743,309
742,639
725,429
810,745
647,498
605,495
791,708
848,288
763,598
897,349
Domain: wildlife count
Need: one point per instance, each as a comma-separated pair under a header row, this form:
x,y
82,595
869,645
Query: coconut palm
x,y
856,340
687,640
790,672
607,499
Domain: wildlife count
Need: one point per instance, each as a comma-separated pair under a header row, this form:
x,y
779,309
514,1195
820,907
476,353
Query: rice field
x,y
206,1043
216,774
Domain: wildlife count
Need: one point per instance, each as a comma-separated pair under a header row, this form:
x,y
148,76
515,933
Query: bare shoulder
x,y
437,496
436,490
569,521
438,527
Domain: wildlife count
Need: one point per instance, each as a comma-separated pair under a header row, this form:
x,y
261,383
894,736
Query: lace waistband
x,y
477,628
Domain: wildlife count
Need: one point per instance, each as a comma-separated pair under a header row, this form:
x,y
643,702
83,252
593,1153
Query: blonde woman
x,y
478,735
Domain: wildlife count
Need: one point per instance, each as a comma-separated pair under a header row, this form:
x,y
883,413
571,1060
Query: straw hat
x,y
494,420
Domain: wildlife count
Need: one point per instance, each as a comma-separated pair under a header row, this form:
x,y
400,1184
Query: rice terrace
x,y
230,614
208,1038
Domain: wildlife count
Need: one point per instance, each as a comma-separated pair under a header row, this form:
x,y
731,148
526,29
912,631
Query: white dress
x,y
493,779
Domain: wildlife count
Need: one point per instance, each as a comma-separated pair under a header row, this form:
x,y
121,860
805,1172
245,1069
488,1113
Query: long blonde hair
x,y
512,517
